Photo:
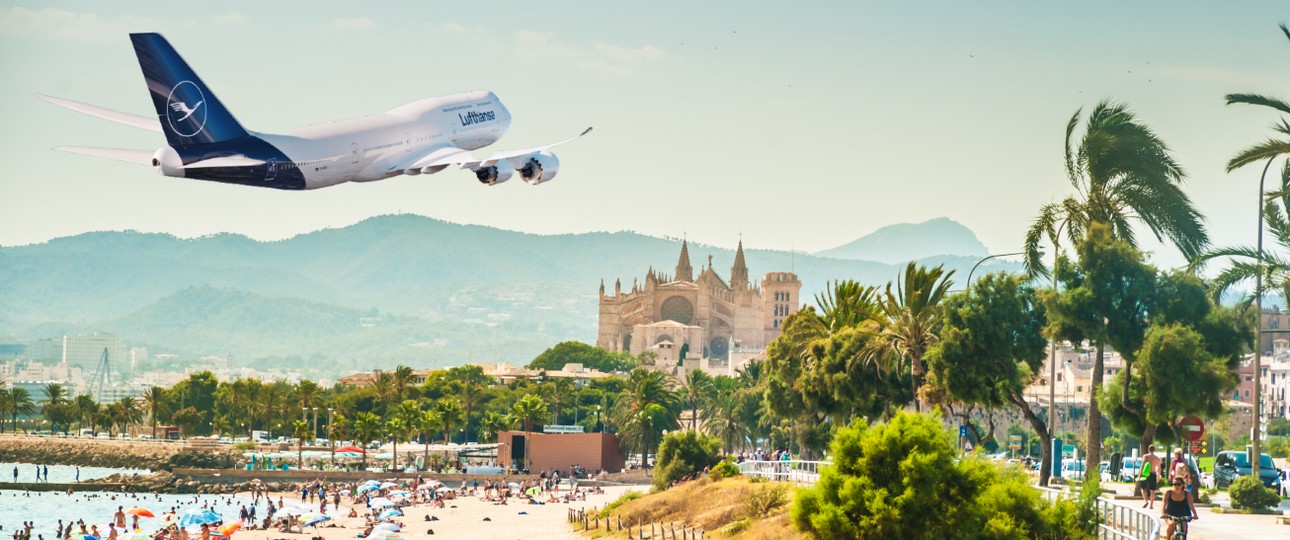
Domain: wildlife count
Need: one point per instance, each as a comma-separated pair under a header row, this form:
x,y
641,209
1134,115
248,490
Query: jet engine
x,y
538,168
168,163
491,175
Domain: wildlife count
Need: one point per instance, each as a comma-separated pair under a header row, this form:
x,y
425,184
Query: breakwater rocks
x,y
165,482
153,455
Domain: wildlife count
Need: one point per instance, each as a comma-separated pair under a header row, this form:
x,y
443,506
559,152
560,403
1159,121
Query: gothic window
x,y
678,309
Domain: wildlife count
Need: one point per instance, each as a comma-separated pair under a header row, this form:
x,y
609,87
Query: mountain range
x,y
399,288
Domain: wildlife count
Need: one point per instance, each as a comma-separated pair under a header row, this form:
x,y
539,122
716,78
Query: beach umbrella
x,y
230,528
393,527
393,512
384,535
444,489
288,511
313,520
141,512
512,485
388,485
350,448
198,516
344,492
381,502
86,537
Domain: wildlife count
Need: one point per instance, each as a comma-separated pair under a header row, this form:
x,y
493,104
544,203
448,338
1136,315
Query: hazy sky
x,y
802,125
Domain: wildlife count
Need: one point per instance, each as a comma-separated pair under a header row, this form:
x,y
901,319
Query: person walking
x,y
1150,477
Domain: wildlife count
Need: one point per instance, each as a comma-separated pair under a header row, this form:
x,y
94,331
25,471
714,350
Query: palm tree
x,y
4,406
1123,174
87,410
557,392
912,314
304,433
54,404
367,427
449,414
20,403
403,379
492,423
647,406
723,416
427,423
528,410
1244,264
386,392
154,399
125,413
698,390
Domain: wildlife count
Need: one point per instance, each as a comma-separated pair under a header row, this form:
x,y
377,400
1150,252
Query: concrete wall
x,y
241,475
591,451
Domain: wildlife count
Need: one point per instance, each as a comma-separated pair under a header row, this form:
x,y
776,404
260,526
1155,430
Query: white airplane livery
x,y
205,142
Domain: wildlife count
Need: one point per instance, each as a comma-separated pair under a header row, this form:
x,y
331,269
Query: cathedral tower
x,y
683,270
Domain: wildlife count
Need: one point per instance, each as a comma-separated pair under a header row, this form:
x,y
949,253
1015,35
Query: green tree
x,y
577,352
1107,297
87,410
187,419
155,400
472,380
529,410
492,423
19,404
991,348
912,318
684,453
698,390
450,414
902,480
303,433
429,422
56,406
647,406
367,427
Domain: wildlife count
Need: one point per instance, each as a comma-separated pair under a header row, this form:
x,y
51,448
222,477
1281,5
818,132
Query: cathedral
x,y
682,317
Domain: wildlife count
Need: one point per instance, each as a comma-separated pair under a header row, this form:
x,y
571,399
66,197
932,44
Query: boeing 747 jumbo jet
x,y
207,143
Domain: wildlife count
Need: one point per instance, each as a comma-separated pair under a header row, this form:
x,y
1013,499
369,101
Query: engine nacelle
x,y
491,175
539,168
168,163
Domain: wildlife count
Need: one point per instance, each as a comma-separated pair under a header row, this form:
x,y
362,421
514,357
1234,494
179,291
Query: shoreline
x,y
116,454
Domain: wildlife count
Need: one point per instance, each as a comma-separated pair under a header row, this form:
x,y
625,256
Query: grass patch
x,y
626,497
730,508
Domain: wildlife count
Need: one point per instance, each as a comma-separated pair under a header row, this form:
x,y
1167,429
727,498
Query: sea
x,y
45,508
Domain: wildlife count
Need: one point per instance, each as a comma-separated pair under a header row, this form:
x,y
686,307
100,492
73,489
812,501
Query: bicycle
x,y
1180,530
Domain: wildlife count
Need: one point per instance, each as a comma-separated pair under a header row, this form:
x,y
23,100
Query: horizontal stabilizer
x,y
228,161
141,157
146,122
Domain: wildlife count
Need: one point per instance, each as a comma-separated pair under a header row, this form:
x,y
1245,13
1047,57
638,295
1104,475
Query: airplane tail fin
x,y
189,112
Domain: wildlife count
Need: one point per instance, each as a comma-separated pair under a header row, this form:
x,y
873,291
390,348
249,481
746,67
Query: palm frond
x,y
1256,99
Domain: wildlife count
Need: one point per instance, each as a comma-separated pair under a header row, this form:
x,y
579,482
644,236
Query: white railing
x,y
795,471
1115,520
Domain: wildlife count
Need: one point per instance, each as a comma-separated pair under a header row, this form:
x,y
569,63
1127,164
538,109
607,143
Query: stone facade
x,y
684,316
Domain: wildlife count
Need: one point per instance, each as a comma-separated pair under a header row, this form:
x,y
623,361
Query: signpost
x,y
1193,428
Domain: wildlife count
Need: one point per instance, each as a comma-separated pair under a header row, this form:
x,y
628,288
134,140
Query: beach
x,y
462,517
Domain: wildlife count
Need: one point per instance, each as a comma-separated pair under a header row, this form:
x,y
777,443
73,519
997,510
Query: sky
x,y
797,125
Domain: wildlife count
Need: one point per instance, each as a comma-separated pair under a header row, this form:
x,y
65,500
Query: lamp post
x,y
315,411
1258,334
978,263
331,439
599,429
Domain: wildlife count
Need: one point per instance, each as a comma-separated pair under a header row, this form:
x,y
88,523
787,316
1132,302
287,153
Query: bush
x,y
683,454
626,497
1248,493
765,499
902,480
725,469
244,446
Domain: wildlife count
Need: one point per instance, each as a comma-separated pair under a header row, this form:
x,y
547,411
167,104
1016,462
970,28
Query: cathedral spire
x,y
683,270
739,272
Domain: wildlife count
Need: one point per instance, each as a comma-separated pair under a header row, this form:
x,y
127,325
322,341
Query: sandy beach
x,y
465,517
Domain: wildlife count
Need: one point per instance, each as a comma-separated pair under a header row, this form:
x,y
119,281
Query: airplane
x,y
205,142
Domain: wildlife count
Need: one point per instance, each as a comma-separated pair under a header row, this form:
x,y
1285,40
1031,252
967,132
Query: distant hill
x,y
904,242
403,287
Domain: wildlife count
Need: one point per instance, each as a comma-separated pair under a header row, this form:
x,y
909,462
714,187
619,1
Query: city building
x,y
682,316
86,351
519,450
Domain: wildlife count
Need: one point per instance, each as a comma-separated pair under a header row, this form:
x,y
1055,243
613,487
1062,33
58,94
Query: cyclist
x,y
1178,506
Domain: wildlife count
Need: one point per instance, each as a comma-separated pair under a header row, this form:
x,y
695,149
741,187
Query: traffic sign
x,y
1014,442
1193,428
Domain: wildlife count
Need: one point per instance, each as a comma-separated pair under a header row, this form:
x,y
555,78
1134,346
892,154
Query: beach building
x,y
559,451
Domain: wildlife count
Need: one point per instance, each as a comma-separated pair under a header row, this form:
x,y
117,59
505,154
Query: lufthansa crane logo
x,y
186,109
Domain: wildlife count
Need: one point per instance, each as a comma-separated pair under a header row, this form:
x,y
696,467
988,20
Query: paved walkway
x,y
1225,526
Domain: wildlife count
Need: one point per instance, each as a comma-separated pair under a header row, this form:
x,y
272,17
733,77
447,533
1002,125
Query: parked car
x,y
1073,469
1104,472
1129,469
1232,464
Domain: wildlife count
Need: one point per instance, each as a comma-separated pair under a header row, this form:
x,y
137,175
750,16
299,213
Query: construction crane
x,y
102,375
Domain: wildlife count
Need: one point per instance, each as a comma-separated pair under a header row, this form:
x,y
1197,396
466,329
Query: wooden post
x,y
620,522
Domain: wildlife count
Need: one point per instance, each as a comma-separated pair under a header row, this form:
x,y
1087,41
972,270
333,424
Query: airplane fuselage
x,y
360,149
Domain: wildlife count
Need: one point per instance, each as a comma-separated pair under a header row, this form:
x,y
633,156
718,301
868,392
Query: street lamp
x,y
331,436
599,428
1258,334
315,411
978,263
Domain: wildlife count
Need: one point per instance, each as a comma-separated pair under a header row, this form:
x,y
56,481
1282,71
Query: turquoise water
x,y
46,508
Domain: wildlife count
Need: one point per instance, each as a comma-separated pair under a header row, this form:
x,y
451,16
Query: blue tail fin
x,y
189,112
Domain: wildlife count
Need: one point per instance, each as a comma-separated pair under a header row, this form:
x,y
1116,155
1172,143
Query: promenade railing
x,y
1117,521
795,471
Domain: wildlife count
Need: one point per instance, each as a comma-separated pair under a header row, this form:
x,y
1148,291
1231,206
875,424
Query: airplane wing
x,y
442,157
141,157
145,122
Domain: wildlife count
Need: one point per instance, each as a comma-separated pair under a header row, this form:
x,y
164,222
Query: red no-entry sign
x,y
1193,428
